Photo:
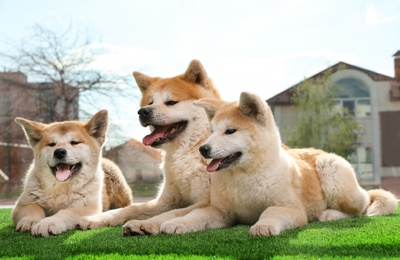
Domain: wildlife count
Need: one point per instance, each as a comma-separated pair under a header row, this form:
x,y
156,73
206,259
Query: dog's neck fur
x,y
183,160
197,131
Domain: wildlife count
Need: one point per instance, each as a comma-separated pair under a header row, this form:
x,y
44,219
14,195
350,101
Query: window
x,y
353,96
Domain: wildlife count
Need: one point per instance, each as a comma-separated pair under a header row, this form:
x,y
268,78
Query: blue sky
x,y
259,46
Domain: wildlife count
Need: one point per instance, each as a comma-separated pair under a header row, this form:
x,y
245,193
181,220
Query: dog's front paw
x,y
25,225
105,219
84,223
264,230
139,227
170,227
94,222
49,226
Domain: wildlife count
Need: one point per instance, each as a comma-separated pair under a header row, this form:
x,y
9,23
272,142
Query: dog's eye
x,y
171,103
230,131
51,144
75,142
151,103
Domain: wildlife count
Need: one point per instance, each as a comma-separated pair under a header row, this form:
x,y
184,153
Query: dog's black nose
x,y
60,153
145,112
204,150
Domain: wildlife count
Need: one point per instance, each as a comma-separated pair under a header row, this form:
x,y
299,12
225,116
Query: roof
x,y
284,98
133,143
396,54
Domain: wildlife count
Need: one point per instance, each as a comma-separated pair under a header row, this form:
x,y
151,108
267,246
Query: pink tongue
x,y
214,164
63,173
157,133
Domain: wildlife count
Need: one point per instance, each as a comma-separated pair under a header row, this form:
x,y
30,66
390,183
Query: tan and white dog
x,y
68,178
179,128
257,181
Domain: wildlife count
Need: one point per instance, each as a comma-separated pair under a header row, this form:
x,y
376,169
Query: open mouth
x,y
222,163
64,172
162,134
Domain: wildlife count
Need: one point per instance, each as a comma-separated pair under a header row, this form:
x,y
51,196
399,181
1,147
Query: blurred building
x,y
139,163
375,100
35,101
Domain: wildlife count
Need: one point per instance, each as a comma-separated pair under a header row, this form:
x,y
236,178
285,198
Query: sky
x,y
260,46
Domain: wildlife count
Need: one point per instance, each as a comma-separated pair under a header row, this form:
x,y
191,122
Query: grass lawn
x,y
362,238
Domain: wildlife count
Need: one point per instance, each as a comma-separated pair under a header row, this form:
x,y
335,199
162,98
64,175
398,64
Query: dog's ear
x,y
33,130
143,81
196,73
210,105
97,126
252,105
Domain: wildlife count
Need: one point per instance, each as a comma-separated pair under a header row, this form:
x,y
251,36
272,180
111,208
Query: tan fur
x,y
116,191
270,186
48,206
186,182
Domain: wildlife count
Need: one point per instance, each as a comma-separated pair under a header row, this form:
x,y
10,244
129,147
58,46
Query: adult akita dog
x,y
179,128
68,178
258,181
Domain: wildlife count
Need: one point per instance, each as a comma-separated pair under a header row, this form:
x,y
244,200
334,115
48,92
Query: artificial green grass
x,y
362,238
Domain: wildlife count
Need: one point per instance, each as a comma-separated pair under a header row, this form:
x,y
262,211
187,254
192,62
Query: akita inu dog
x,y
179,128
257,181
68,178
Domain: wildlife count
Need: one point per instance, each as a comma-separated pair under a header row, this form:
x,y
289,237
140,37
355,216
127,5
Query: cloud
x,y
270,75
124,60
372,18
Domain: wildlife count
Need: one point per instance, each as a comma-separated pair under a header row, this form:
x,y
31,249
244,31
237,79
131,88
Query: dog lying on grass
x,y
68,178
257,181
179,128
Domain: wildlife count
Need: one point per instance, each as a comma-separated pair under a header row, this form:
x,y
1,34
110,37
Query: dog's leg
x,y
340,187
152,225
24,217
196,220
63,220
120,216
332,215
274,220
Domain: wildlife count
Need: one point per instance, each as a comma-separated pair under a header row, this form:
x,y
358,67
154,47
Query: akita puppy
x,y
179,128
68,178
257,181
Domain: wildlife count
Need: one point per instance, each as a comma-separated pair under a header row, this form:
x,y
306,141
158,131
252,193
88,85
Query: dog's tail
x,y
381,203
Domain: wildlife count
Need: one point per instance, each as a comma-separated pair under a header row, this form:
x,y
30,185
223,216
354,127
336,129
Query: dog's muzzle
x,y
205,151
145,115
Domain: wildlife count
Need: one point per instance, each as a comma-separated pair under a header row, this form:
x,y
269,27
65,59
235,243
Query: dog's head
x,y
167,103
241,132
67,148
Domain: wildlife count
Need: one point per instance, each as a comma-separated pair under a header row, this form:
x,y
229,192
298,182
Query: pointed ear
x,y
142,81
196,73
252,105
33,130
97,126
210,105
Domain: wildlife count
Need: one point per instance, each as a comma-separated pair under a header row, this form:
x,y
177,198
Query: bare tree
x,y
62,61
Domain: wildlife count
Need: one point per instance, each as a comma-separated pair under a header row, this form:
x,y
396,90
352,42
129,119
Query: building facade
x,y
375,101
40,102
138,162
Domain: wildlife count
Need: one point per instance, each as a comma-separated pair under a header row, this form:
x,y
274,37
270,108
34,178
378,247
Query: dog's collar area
x,y
163,134
222,163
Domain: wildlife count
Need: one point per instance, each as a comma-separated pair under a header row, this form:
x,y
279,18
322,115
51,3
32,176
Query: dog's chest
x,y
245,197
53,200
189,177
58,196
